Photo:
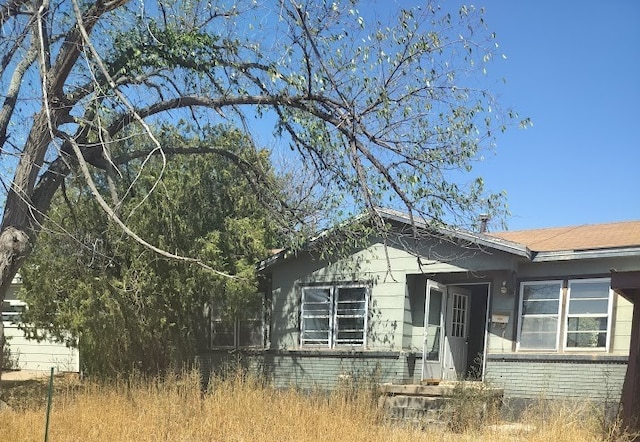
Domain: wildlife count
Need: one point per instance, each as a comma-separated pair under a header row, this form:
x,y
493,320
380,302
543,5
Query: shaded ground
x,y
23,389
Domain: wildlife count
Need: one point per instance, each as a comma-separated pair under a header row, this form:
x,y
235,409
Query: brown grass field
x,y
241,409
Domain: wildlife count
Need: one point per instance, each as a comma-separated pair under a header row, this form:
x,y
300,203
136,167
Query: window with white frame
x,y
334,315
588,313
578,321
12,310
539,315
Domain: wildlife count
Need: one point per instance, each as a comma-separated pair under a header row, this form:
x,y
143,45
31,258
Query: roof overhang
x,y
626,284
480,240
568,255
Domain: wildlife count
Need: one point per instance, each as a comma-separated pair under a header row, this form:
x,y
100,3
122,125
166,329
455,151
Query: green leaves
x,y
89,282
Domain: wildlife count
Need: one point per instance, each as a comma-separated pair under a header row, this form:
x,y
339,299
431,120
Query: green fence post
x,y
46,427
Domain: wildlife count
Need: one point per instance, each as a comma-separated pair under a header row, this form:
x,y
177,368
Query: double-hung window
x,y
588,312
539,315
334,315
566,315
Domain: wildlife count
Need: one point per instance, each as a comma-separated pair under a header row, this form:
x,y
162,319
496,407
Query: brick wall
x,y
318,369
597,379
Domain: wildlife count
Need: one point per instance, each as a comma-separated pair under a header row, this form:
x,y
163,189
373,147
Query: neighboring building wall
x,y
41,356
26,354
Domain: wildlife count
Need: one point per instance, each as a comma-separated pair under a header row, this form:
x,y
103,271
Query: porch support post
x,y
631,386
627,284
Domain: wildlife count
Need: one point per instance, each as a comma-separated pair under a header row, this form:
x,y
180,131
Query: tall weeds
x,y
242,408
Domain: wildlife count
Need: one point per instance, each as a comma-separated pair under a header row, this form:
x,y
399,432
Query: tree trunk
x,y
14,247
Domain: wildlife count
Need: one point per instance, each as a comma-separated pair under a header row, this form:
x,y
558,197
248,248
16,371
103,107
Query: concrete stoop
x,y
426,405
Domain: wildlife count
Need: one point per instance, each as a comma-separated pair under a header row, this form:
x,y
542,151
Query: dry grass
x,y
240,409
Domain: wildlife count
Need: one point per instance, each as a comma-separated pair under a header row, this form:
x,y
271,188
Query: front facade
x,y
531,312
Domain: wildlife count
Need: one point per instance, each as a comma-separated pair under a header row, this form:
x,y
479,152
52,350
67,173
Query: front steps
x,y
436,404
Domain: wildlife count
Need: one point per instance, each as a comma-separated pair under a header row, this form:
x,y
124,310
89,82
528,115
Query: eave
x,y
626,284
568,255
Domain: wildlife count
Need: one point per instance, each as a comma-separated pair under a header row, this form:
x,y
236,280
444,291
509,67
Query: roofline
x,y
476,238
567,255
479,239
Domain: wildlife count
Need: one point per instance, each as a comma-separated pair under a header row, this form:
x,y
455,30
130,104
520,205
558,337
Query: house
x,y
532,312
28,354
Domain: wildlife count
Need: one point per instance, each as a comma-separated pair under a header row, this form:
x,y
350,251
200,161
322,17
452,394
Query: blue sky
x,y
574,68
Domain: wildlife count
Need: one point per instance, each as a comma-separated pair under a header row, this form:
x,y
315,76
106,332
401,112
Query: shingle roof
x,y
584,237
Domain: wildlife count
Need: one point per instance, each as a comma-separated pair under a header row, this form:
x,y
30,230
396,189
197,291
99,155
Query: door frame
x,y
443,325
432,367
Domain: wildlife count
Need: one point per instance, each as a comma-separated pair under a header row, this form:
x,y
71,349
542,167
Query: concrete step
x,y
414,414
426,404
418,402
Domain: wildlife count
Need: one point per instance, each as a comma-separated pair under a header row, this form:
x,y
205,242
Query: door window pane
x,y
434,323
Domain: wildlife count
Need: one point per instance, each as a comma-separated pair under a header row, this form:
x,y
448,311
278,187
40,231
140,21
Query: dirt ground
x,y
24,375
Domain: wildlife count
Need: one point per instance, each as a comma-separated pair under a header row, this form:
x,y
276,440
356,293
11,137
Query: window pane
x,y
588,306
311,335
590,289
539,333
432,346
250,333
350,337
316,300
351,294
587,324
587,339
546,307
345,324
541,291
435,307
316,323
221,334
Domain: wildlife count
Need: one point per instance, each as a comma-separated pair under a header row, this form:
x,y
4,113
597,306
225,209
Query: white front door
x,y
434,312
457,333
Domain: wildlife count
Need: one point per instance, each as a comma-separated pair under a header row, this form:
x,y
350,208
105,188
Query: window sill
x,y
558,357
337,352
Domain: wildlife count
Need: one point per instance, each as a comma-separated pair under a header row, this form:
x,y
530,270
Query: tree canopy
x,y
85,280
378,111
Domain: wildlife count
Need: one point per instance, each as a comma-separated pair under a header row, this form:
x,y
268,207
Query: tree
x,y
380,110
85,279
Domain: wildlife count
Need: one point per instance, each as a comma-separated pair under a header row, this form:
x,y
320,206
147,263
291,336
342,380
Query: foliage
x,y
376,110
472,406
124,306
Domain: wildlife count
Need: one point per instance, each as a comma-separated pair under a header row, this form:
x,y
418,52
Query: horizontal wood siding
x,y
621,330
386,269
33,355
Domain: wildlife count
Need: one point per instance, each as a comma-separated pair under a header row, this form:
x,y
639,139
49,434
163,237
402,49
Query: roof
x,y
536,245
577,238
